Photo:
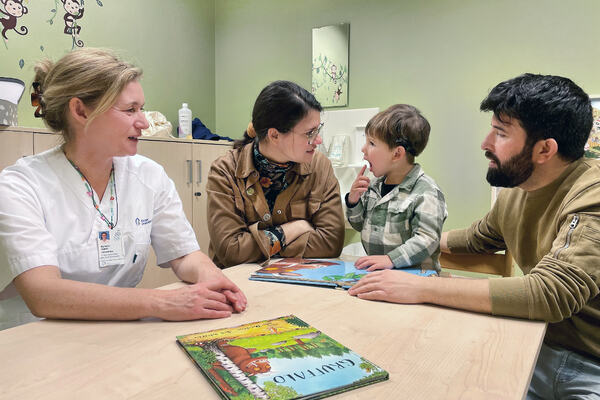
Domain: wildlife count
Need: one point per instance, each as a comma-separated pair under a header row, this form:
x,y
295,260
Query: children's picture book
x,y
278,359
318,272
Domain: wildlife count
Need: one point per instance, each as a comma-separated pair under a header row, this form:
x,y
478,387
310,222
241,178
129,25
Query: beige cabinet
x,y
14,145
187,163
203,157
45,141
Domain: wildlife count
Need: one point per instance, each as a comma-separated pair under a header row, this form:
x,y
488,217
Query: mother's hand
x,y
294,229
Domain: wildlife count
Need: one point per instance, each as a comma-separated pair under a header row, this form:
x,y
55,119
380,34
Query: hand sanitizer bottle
x,y
185,121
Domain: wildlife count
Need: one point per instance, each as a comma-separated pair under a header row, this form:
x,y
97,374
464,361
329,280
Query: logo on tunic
x,y
143,221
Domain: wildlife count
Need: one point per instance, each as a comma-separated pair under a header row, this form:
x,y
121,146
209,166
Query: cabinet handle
x,y
190,171
199,177
197,194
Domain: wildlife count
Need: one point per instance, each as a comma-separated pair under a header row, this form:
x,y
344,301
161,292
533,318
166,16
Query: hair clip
x,y
36,99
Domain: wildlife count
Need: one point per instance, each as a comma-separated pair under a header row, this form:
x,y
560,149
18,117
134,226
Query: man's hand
x,y
391,286
406,288
373,263
359,186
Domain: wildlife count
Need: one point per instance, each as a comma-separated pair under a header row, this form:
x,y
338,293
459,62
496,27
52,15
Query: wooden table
x,y
430,352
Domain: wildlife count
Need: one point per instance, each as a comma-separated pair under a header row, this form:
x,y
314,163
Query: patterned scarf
x,y
272,176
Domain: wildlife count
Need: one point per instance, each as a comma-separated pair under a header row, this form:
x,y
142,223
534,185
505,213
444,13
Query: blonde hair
x,y
95,76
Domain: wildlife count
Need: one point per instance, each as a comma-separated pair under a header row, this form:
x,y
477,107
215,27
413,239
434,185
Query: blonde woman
x,y
55,205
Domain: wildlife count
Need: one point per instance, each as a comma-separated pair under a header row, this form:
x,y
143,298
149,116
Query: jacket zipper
x,y
572,227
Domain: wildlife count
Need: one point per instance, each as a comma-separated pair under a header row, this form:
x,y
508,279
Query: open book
x,y
318,272
279,359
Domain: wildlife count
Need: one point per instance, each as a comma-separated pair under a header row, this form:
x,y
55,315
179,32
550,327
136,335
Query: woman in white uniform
x,y
77,221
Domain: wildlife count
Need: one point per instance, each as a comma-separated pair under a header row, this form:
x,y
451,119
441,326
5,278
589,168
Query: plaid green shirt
x,y
406,224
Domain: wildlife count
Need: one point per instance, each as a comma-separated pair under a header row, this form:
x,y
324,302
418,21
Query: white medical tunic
x,y
47,218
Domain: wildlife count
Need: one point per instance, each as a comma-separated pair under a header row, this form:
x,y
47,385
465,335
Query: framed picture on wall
x,y
592,147
330,46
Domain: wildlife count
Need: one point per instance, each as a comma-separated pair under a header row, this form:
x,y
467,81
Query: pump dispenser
x,y
185,121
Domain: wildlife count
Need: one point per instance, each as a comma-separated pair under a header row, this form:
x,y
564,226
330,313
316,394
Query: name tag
x,y
110,248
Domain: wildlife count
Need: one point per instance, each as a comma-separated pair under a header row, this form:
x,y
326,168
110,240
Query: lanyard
x,y
113,195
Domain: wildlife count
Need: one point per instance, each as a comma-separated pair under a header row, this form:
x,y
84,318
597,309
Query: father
x,y
550,222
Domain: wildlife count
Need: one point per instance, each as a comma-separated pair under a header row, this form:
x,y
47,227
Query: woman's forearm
x,y
293,229
49,296
194,267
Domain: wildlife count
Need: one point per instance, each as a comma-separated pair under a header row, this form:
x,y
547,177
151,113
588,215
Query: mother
x,y
274,194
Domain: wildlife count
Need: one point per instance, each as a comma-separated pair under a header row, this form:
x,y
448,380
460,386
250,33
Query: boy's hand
x,y
373,263
359,186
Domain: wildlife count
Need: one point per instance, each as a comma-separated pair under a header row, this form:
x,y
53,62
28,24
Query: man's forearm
x,y
462,293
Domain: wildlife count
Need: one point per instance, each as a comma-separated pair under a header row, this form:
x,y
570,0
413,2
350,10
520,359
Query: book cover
x,y
319,272
279,359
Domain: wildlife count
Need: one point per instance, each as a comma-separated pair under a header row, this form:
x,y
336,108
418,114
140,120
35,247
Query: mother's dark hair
x,y
280,105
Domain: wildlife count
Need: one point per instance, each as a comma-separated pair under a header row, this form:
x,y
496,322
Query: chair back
x,y
494,264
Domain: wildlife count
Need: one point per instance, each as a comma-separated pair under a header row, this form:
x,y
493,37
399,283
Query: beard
x,y
512,172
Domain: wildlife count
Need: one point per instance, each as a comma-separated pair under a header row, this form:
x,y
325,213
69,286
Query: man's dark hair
x,y
546,106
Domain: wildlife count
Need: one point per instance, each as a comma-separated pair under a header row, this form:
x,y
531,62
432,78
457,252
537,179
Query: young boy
x,y
400,214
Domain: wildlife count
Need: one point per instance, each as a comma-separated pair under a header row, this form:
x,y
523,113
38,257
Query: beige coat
x,y
238,211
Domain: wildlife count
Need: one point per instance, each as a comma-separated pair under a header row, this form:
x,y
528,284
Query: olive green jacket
x,y
554,235
238,211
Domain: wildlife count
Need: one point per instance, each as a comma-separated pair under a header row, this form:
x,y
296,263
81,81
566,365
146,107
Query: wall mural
x,y
330,64
14,24
13,10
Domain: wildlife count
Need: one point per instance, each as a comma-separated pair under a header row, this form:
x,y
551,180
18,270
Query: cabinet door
x,y
45,141
14,145
176,159
204,155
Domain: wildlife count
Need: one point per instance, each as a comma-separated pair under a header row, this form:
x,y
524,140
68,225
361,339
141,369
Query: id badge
x,y
110,248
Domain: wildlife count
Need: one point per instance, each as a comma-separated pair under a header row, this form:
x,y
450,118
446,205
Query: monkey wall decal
x,y
13,9
73,12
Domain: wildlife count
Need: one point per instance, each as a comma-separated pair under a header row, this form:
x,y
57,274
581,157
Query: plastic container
x,y
185,121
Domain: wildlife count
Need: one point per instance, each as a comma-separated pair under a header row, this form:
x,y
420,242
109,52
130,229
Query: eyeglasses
x,y
312,135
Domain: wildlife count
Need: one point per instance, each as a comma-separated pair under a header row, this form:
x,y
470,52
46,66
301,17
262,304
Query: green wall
x,y
441,56
172,41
